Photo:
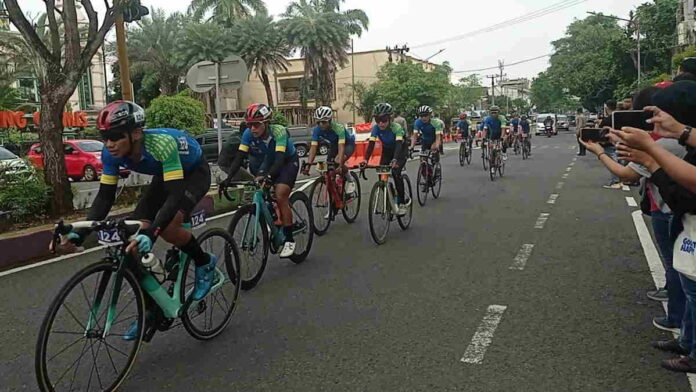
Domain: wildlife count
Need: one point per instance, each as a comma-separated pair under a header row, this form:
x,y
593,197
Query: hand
x,y
305,169
141,243
363,164
633,155
69,243
592,147
634,137
665,124
394,164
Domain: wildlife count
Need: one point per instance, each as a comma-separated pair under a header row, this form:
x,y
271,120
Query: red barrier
x,y
359,154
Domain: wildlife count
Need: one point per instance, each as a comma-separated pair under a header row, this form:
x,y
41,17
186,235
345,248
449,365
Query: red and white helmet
x,y
258,112
123,116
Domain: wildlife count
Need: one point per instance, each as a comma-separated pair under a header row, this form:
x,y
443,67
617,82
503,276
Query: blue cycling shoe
x,y
132,332
205,277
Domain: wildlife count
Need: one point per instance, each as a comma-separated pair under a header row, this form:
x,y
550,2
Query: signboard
x,y
201,76
9,119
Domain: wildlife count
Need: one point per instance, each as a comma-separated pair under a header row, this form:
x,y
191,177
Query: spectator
x,y
580,123
399,119
609,149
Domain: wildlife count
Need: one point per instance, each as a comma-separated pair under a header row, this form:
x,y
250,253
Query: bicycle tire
x,y
525,153
246,251
321,222
462,153
437,178
491,163
307,237
484,156
403,222
380,187
501,165
422,184
470,152
230,260
45,332
356,200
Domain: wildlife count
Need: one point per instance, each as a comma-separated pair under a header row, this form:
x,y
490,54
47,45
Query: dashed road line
x,y
569,169
572,147
560,185
541,220
556,147
484,335
572,163
625,188
631,202
552,199
522,256
565,175
544,146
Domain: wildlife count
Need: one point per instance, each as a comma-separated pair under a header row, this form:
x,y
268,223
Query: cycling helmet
x,y
121,116
424,110
494,108
462,115
258,112
383,109
323,113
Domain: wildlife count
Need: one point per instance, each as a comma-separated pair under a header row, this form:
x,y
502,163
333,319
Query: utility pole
x,y
352,70
632,20
123,64
492,78
400,50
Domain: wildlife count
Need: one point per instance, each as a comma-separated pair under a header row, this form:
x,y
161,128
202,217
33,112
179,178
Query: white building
x,y
686,26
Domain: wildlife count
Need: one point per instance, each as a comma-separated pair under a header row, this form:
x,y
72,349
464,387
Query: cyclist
x,y
548,125
493,129
523,132
342,143
280,165
430,130
463,126
181,178
394,149
514,128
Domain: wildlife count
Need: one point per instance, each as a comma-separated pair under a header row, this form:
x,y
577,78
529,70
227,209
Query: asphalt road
x,y
401,316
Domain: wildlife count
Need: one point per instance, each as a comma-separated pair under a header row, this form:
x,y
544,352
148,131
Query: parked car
x,y
209,141
82,159
562,122
302,137
540,123
572,120
12,167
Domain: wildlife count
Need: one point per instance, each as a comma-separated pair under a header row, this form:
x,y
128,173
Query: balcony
x,y
294,96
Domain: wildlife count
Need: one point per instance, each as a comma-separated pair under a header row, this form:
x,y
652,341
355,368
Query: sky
x,y
420,22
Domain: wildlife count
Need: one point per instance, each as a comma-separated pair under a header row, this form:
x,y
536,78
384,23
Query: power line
x,y
507,65
510,22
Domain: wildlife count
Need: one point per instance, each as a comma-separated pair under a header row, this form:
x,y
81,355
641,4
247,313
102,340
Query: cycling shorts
x,y
288,172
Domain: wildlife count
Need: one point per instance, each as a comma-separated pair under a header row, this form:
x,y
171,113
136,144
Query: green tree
x,y
658,28
547,95
225,12
9,96
261,43
322,33
204,42
178,111
365,100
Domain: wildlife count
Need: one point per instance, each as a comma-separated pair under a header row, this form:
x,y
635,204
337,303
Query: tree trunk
x,y
50,132
267,84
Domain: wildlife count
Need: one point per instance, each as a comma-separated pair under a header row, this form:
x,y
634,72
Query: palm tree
x,y
152,47
226,12
260,42
321,31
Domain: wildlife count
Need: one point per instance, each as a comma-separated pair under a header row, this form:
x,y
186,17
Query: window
x,y
91,146
85,90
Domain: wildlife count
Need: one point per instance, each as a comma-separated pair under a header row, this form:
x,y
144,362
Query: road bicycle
x,y
465,151
382,206
82,345
256,229
484,153
429,177
516,144
496,163
329,195
526,147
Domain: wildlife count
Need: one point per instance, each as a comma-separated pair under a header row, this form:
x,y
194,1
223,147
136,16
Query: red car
x,y
82,159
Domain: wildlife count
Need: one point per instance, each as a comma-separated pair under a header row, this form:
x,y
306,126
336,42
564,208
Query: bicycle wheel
x,y
405,221
469,152
253,251
322,203
422,183
437,180
379,214
491,163
462,153
500,163
207,318
351,203
302,230
525,151
71,351
484,157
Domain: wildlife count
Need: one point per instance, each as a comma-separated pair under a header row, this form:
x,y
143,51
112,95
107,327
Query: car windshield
x,y
562,118
90,146
6,154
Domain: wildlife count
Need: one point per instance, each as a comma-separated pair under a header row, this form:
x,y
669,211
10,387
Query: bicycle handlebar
x,y
127,227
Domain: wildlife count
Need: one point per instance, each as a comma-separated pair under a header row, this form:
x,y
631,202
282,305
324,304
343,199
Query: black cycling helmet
x,y
383,109
494,108
424,110
121,116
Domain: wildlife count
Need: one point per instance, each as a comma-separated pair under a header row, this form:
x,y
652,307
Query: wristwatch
x,y
685,136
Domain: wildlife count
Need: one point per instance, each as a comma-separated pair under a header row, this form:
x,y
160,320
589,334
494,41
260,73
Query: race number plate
x,y
109,237
198,219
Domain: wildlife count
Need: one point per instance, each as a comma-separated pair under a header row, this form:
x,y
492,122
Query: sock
x,y
193,249
287,231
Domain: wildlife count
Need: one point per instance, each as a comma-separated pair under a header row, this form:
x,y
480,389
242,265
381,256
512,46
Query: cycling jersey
x,y
524,126
494,126
463,125
277,140
389,136
335,135
166,152
515,122
429,130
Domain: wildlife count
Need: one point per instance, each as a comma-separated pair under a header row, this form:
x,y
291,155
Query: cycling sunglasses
x,y
112,136
322,122
383,119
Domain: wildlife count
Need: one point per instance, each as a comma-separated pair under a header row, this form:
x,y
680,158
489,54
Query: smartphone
x,y
594,135
631,118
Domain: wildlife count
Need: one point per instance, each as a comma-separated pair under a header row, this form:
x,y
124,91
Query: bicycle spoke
x,y
111,359
91,307
74,317
115,349
121,321
91,371
65,348
71,366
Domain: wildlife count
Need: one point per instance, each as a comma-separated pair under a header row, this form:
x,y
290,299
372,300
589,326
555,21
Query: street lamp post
x,y
634,20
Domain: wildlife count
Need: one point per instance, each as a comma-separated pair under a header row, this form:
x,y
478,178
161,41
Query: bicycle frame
x,y
390,200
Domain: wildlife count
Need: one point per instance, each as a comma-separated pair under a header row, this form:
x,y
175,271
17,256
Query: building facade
x,y
686,26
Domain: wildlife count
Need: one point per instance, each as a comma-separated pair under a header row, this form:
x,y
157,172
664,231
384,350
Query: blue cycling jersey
x,y
495,127
277,140
463,125
335,135
389,136
428,130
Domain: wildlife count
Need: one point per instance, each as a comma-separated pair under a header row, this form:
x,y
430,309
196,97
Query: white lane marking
x,y
541,220
565,175
657,271
556,147
560,185
552,198
544,146
484,335
625,188
522,256
572,163
631,202
569,169
575,159
573,147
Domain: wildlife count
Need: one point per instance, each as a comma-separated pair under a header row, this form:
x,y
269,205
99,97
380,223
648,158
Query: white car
x,y
12,167
540,123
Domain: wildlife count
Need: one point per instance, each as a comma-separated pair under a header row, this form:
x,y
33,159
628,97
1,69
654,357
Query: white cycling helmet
x,y
323,113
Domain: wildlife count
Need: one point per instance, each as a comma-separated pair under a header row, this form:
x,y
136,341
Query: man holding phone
x,y
609,149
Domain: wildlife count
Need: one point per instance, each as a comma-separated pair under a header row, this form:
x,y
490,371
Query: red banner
x,y
10,119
